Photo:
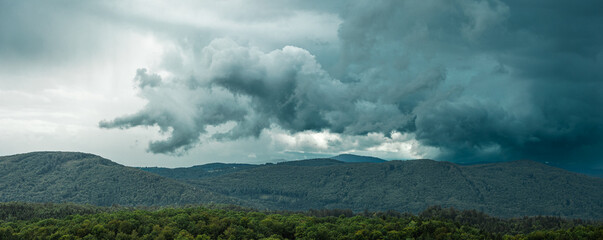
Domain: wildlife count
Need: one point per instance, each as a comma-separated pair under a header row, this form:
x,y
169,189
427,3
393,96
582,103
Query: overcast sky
x,y
181,83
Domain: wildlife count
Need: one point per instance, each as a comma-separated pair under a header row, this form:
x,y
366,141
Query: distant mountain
x,y
87,178
318,162
199,171
509,189
217,169
351,158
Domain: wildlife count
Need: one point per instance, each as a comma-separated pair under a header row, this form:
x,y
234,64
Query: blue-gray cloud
x,y
480,80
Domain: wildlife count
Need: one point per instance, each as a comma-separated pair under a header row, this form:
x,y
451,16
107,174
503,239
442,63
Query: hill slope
x,y
86,178
502,189
217,169
199,171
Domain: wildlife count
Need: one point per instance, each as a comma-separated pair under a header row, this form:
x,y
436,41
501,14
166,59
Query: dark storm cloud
x,y
480,80
542,101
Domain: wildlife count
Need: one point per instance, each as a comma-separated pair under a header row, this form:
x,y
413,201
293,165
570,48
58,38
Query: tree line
x,y
72,221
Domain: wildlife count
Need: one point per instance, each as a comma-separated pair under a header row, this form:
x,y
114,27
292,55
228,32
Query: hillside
x,y
217,169
510,189
317,162
87,178
199,171
516,185
503,189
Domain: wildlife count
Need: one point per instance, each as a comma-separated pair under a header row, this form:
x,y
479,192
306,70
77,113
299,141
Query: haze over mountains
x,y
507,189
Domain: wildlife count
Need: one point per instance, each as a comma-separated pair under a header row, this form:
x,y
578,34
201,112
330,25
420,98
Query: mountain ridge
x,y
88,178
519,188
509,189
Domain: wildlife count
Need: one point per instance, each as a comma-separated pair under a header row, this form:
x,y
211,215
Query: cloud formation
x,y
478,80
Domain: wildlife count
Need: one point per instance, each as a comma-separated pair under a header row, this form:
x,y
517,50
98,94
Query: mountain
x,y
510,189
351,158
217,169
544,188
593,172
199,171
87,178
317,162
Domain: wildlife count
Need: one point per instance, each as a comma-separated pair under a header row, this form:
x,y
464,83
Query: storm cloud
x,y
478,80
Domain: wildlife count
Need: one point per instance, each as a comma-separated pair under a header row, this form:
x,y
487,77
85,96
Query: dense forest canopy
x,y
69,221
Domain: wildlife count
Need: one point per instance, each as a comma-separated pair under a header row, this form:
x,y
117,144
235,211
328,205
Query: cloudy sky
x,y
180,83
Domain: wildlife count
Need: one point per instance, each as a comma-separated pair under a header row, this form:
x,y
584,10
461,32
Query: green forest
x,y
72,221
510,189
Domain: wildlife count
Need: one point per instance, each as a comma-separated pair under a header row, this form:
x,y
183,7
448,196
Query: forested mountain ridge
x,y
199,171
87,178
216,169
511,189
546,189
